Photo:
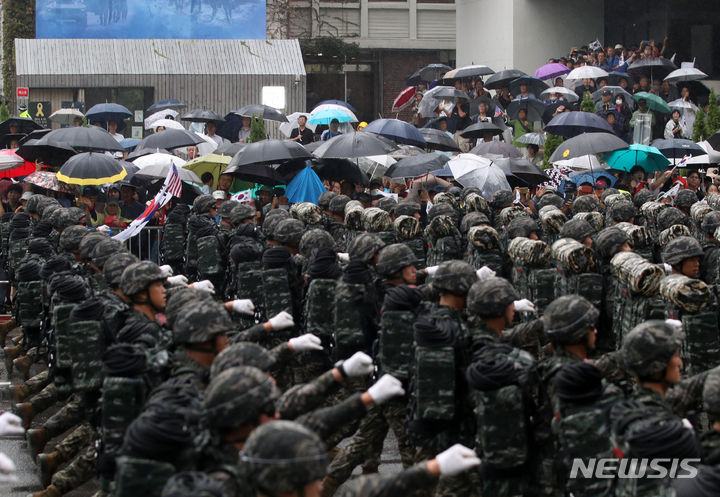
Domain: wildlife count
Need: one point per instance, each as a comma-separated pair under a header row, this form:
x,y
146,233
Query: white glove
x,y
675,323
166,270
103,228
687,424
10,424
179,279
7,468
243,306
524,305
205,286
305,342
359,364
281,321
343,257
385,388
484,273
431,270
668,268
456,459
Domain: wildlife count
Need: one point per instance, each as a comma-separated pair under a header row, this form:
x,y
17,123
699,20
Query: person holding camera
x,y
674,127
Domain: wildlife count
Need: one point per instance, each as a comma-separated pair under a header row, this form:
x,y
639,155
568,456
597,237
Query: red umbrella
x,y
403,99
12,165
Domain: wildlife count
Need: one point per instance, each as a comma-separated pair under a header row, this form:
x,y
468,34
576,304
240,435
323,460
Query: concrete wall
x,y
484,33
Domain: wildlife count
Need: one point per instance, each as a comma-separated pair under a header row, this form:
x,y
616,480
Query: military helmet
x,y
685,198
491,296
242,354
585,203
642,196
62,218
521,226
315,238
502,199
470,189
621,211
681,248
406,227
238,396
711,394
609,242
710,222
365,246
50,211
354,218
194,484
32,204
483,237
550,199
394,258
271,222
474,202
104,250
178,299
114,267
337,204
75,214
648,348
225,210
306,212
668,217
387,204
568,319
472,219
353,204
376,220
87,244
71,237
444,209
607,193
577,229
139,276
509,213
202,321
240,213
455,277
289,232
406,208
284,456
203,203
41,246
325,198
447,198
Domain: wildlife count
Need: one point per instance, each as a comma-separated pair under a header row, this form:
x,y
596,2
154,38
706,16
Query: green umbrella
x,y
211,163
649,158
654,102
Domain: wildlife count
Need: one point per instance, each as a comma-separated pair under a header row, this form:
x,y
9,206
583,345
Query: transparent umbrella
x,y
471,170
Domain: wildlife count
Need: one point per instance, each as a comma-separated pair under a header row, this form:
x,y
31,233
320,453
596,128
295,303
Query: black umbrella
x,y
523,169
615,77
496,148
714,140
351,145
431,72
532,106
170,139
677,148
468,72
142,152
50,153
103,113
92,139
340,170
202,116
586,144
264,111
22,125
451,94
503,79
416,165
35,135
257,173
229,148
91,168
172,103
652,67
480,130
269,152
439,140
535,85
490,107
6,140
573,123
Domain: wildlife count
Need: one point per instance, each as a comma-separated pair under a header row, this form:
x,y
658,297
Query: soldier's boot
x,y
26,412
36,440
49,464
23,364
5,329
330,486
10,354
17,339
50,491
20,393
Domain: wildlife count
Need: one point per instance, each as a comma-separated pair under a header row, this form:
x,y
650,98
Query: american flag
x,y
557,175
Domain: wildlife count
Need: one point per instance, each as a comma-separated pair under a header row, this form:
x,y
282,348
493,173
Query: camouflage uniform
x,y
710,265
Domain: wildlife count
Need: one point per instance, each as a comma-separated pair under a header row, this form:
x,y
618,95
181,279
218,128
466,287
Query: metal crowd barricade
x,y
146,244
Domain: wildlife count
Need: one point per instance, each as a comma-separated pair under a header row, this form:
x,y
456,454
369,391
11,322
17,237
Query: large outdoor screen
x,y
212,19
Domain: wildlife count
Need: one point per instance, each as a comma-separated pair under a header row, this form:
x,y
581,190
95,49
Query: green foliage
x,y
551,144
699,131
712,123
18,22
587,104
257,130
4,112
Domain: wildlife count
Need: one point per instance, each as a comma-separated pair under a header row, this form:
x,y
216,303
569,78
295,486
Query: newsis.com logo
x,y
631,468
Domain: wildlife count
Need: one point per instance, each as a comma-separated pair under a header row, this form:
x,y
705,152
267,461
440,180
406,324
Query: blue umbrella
x,y
325,116
397,131
108,112
570,124
129,144
648,158
445,172
305,187
580,177
338,102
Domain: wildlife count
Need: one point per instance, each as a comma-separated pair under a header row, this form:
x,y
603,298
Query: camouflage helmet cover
x,y
670,216
115,265
365,246
491,296
179,299
202,322
502,199
242,354
325,198
394,258
289,232
139,276
315,238
455,277
406,208
711,393
306,212
609,241
681,248
577,229
88,243
474,202
685,198
337,204
376,220
202,203
238,396
193,484
444,209
711,222
241,212
568,319
642,196
472,219
621,211
406,227
521,226
71,237
585,203
226,208
648,348
447,198
387,204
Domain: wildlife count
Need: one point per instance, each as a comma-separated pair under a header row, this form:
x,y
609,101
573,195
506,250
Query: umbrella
x,y
108,112
341,108
66,117
580,177
158,158
479,130
406,151
170,139
416,165
471,170
714,140
305,187
474,110
202,116
170,104
431,72
12,165
587,143
682,104
533,106
445,172
589,72
573,123
167,114
47,180
91,139
587,162
713,154
326,116
451,94
142,152
677,148
257,173
404,99
266,112
288,127
269,152
654,102
375,165
340,170
567,94
167,124
652,67
649,158
439,140
129,144
552,70
397,131
24,126
429,101
130,169
468,72
615,77
160,171
336,103
6,141
35,135
535,86
213,163
523,169
208,145
230,148
502,79
615,90
497,148
351,145
51,153
534,138
188,194
685,74
91,168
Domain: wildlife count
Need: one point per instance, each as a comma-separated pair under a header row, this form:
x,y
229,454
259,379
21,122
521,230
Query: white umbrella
x,y
682,104
569,95
158,158
375,165
287,128
700,159
335,107
162,114
158,165
685,73
472,170
582,163
208,147
714,155
429,102
167,123
66,116
583,72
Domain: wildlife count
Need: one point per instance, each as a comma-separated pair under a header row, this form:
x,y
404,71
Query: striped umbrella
x,y
404,99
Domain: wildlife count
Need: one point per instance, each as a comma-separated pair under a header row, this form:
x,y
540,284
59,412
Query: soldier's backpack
x,y
577,267
122,401
277,297
319,317
17,250
61,355
5,234
248,281
434,383
146,477
483,249
173,243
531,275
395,343
210,256
444,241
86,341
30,303
350,319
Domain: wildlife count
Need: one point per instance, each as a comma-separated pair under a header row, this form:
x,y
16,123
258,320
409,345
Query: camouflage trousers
x,y
46,397
38,383
72,413
80,470
70,446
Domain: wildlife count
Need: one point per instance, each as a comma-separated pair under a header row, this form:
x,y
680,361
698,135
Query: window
x,y
274,96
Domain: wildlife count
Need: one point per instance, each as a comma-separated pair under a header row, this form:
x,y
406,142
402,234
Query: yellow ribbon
x,y
39,112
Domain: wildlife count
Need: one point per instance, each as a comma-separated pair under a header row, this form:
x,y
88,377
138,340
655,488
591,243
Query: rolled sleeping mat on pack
x,y
406,227
640,275
573,255
510,213
376,220
713,200
689,294
484,237
552,218
596,219
650,210
639,235
526,251
610,200
671,233
698,210
476,203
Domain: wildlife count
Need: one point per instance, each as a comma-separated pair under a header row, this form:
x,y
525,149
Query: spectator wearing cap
x,y
25,197
605,103
220,198
599,188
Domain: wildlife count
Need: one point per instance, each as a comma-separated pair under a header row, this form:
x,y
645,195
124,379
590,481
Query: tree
x,y
4,112
257,130
551,144
712,122
587,104
18,22
699,131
